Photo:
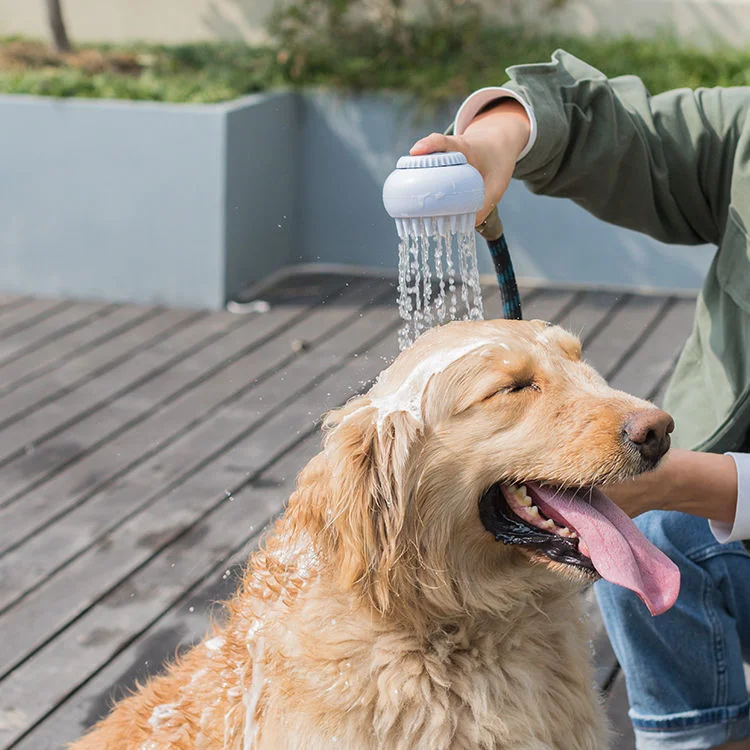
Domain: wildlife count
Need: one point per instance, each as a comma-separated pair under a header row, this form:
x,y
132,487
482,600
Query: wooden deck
x,y
143,451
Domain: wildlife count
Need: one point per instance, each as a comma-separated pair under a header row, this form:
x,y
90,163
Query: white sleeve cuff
x,y
739,529
479,99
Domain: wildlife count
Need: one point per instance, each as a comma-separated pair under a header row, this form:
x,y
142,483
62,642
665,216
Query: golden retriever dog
x,y
422,588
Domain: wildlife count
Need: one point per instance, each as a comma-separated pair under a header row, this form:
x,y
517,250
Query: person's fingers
x,y
485,211
495,185
435,142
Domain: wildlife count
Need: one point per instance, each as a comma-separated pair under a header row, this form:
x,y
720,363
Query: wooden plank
x,y
537,303
645,367
590,313
83,520
207,358
289,300
50,328
550,305
23,435
43,553
29,314
113,353
98,391
226,359
183,622
62,661
70,433
658,392
622,331
617,711
63,348
193,365
10,301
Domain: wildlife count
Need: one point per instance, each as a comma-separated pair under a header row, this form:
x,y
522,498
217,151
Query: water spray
x,y
434,200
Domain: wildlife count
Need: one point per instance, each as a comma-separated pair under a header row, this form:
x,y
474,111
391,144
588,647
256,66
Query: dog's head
x,y
484,432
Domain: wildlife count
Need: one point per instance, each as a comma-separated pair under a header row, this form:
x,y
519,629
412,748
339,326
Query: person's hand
x,y
703,484
648,491
492,142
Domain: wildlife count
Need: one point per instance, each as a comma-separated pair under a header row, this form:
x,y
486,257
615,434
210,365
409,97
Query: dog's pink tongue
x,y
618,550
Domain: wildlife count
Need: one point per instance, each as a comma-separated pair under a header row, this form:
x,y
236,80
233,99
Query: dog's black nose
x,y
648,431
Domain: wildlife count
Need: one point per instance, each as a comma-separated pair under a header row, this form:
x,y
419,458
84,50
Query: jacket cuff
x,y
477,101
740,528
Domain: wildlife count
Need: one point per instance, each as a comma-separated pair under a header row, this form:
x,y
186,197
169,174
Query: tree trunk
x,y
57,25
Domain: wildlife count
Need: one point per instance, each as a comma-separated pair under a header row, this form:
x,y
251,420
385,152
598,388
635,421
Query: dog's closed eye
x,y
516,387
522,386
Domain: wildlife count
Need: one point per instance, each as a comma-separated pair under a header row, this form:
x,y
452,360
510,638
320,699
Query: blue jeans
x,y
683,669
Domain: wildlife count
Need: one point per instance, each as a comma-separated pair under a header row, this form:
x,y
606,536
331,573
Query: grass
x,y
433,62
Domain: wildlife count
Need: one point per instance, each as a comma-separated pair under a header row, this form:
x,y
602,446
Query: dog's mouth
x,y
510,513
583,529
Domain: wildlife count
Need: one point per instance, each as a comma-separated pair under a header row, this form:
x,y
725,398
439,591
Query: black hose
x,y
506,278
492,231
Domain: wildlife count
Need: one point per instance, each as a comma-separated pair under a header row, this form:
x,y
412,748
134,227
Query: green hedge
x,y
436,63
181,73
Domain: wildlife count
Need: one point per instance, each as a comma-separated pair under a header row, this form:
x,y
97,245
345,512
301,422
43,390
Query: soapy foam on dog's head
x,y
408,396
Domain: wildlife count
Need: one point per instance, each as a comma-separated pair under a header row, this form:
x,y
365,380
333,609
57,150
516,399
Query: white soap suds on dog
x,y
160,714
255,626
252,695
408,396
195,679
214,644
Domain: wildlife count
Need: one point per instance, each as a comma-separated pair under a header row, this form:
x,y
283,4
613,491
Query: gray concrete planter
x,y
145,202
187,205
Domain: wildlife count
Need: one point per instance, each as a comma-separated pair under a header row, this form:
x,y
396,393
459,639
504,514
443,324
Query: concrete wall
x,y
145,202
700,21
116,201
262,160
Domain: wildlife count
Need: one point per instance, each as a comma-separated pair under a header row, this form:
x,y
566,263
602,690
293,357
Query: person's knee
x,y
685,540
625,616
678,535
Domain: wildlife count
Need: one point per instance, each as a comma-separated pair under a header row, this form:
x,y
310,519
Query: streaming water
x,y
428,291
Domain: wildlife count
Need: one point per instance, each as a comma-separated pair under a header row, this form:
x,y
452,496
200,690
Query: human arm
x,y
662,165
710,485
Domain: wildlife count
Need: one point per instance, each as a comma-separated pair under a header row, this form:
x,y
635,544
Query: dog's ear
x,y
372,483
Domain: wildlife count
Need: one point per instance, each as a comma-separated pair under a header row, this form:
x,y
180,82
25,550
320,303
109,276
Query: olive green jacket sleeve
x,y
675,166
662,165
